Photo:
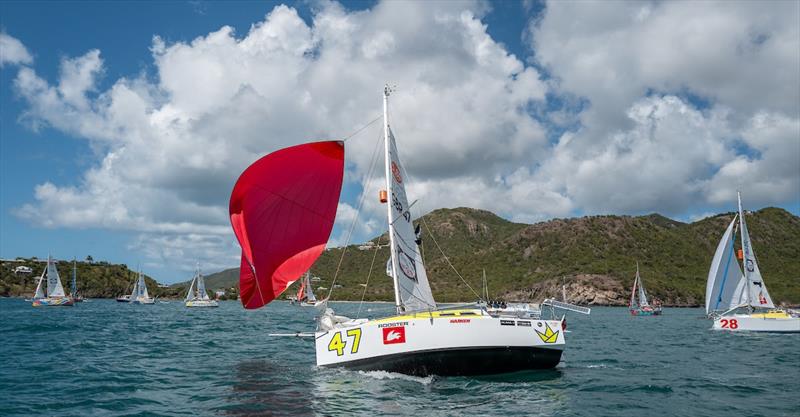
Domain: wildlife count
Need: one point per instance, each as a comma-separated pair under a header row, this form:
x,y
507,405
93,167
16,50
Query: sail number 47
x,y
338,343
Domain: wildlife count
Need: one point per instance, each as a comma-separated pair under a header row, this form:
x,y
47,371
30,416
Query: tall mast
x,y
74,279
743,231
387,164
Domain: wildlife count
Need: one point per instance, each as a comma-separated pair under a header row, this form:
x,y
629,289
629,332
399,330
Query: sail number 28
x,y
729,324
338,343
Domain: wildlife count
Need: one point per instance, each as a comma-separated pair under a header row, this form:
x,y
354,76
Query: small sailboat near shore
x,y
54,296
74,287
305,294
197,296
297,188
639,304
139,295
737,298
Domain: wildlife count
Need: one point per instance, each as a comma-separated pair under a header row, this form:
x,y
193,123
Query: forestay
x,y
758,295
726,283
411,279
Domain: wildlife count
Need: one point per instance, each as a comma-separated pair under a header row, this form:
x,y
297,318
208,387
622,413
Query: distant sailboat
x,y
729,289
640,306
139,295
305,294
197,295
75,296
55,291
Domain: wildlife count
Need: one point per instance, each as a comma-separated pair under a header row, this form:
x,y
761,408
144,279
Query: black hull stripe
x,y
459,361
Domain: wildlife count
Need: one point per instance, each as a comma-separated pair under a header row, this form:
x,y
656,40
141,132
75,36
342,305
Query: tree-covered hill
x,y
94,279
594,256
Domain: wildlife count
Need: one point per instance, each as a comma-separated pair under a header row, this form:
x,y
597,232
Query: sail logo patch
x,y
749,265
761,298
407,265
396,173
394,335
548,335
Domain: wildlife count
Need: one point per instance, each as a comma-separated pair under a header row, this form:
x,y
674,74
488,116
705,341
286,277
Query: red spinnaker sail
x,y
282,211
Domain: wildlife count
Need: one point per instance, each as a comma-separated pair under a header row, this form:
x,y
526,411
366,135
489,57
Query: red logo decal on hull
x,y
392,335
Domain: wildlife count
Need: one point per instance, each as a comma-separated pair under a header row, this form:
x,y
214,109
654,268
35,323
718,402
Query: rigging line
x,y
369,274
448,259
362,128
367,182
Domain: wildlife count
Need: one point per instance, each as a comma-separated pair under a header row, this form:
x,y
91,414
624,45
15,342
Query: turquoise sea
x,y
112,359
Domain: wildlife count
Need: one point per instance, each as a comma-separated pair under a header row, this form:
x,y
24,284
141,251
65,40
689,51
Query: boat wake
x,y
382,375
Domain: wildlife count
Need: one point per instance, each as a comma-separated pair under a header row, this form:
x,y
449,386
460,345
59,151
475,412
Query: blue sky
x,y
531,110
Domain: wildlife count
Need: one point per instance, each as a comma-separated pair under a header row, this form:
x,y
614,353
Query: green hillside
x,y
94,279
590,255
594,256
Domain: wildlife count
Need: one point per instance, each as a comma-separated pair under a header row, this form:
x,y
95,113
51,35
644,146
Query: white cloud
x,y
12,51
687,101
171,148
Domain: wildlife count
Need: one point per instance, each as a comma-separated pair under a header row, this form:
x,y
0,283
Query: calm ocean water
x,y
108,358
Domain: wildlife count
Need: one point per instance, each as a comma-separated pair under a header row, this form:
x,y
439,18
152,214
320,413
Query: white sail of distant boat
x,y
413,292
310,297
54,294
197,295
726,283
54,287
140,295
39,294
642,293
757,296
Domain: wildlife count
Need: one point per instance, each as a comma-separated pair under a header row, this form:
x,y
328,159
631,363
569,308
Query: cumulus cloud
x,y
687,102
12,51
662,106
171,148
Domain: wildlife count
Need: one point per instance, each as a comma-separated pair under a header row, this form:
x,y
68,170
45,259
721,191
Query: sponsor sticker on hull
x,y
394,335
548,335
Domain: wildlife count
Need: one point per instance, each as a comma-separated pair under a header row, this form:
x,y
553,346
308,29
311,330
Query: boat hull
x,y
460,361
53,302
757,323
635,312
467,342
202,303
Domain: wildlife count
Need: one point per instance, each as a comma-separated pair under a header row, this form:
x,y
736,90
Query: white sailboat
x,y
139,295
55,295
639,305
737,299
197,296
422,339
305,294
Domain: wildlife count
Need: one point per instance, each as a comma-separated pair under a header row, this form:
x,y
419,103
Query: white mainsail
x,y
39,291
190,294
142,287
412,291
310,297
135,292
757,296
201,287
54,287
725,284
642,293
